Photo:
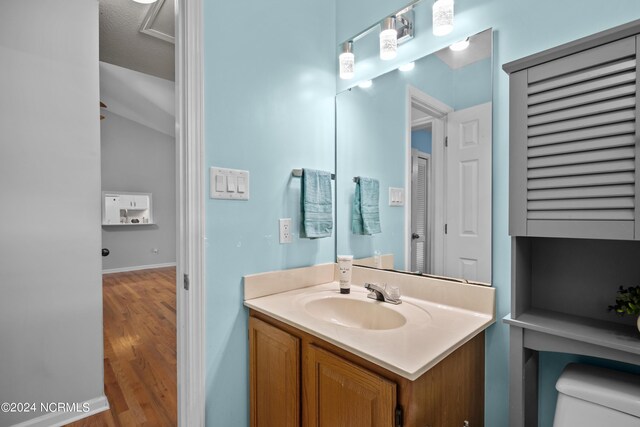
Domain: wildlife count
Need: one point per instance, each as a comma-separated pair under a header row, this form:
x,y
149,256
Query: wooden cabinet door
x,y
274,372
338,393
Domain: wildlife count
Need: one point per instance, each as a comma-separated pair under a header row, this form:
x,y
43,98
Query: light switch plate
x,y
224,184
396,196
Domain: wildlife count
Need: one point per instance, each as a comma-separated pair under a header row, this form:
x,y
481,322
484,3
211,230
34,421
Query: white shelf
x,y
553,331
120,207
121,225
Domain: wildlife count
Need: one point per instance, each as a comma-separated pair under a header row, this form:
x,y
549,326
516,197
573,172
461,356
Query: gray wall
x,y
139,159
50,283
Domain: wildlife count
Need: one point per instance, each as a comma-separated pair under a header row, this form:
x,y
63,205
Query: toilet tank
x,y
590,396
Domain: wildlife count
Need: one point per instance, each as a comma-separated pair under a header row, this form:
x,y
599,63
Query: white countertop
x,y
432,331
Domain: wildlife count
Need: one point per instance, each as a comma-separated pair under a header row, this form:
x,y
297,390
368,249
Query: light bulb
x,y
461,45
442,17
366,84
388,39
347,61
407,67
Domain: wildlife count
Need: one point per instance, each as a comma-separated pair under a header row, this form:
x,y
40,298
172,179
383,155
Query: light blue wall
x,y
422,140
521,28
269,108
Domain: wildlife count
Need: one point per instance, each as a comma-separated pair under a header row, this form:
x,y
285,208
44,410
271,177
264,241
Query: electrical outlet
x,y
285,230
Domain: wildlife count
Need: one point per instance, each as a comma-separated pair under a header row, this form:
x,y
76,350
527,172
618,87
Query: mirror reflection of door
x,y
450,232
426,182
468,182
420,181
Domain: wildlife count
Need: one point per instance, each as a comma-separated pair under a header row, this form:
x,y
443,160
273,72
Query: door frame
x,y
190,187
438,111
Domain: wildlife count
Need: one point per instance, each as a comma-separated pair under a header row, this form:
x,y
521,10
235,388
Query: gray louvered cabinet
x,y
574,142
574,206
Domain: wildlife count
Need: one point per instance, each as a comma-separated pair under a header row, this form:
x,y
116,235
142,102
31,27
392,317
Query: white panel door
x,y
468,194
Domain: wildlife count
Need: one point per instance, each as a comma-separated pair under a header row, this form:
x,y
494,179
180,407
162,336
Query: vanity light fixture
x,y
347,61
388,39
407,67
461,45
366,84
442,17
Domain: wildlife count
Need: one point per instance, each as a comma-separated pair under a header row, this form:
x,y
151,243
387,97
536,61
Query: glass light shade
x,y
366,84
347,62
461,45
442,17
388,44
407,67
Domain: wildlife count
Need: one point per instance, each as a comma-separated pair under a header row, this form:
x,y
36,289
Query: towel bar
x,y
297,173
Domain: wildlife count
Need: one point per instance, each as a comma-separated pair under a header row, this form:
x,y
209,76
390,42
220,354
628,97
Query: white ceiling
x,y
126,41
479,49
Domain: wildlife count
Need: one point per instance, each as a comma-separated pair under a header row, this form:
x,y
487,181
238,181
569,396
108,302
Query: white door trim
x,y
190,212
438,110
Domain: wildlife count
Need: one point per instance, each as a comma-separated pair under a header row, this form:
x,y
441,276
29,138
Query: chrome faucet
x,y
380,293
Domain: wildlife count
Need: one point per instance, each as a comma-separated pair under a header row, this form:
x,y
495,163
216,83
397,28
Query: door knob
x,y
105,251
415,236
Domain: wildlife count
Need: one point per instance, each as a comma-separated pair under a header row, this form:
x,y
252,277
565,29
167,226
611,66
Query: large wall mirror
x,y
424,134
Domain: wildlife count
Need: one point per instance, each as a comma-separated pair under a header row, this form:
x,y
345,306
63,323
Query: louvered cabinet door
x,y
573,145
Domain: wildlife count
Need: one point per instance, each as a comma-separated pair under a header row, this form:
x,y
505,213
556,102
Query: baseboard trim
x,y
138,267
57,419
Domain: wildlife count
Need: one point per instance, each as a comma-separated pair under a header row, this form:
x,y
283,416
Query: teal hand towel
x,y
317,204
366,212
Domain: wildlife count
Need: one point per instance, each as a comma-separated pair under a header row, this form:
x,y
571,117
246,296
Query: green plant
x,y
628,301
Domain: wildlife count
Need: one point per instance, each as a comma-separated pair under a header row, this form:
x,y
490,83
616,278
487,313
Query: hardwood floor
x,y
140,373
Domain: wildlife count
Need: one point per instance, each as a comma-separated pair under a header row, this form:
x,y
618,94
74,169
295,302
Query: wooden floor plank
x,y
140,369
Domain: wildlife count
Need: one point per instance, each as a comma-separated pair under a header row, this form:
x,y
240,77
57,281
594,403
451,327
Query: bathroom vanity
x,y
319,358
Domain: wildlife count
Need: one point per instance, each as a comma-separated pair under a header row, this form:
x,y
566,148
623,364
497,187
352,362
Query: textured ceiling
x,y
123,44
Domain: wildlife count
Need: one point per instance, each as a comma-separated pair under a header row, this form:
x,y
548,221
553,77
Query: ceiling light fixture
x,y
388,39
442,17
366,84
461,45
347,61
407,67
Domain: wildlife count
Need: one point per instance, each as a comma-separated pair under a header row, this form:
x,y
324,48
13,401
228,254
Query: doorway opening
x,y
153,304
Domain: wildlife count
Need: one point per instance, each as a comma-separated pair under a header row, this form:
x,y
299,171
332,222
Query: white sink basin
x,y
352,313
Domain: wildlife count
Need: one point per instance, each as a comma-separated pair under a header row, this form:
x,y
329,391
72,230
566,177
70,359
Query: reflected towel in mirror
x,y
366,212
316,204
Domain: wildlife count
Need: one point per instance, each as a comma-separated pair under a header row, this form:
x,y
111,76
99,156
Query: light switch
x,y
220,182
396,196
230,184
241,184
